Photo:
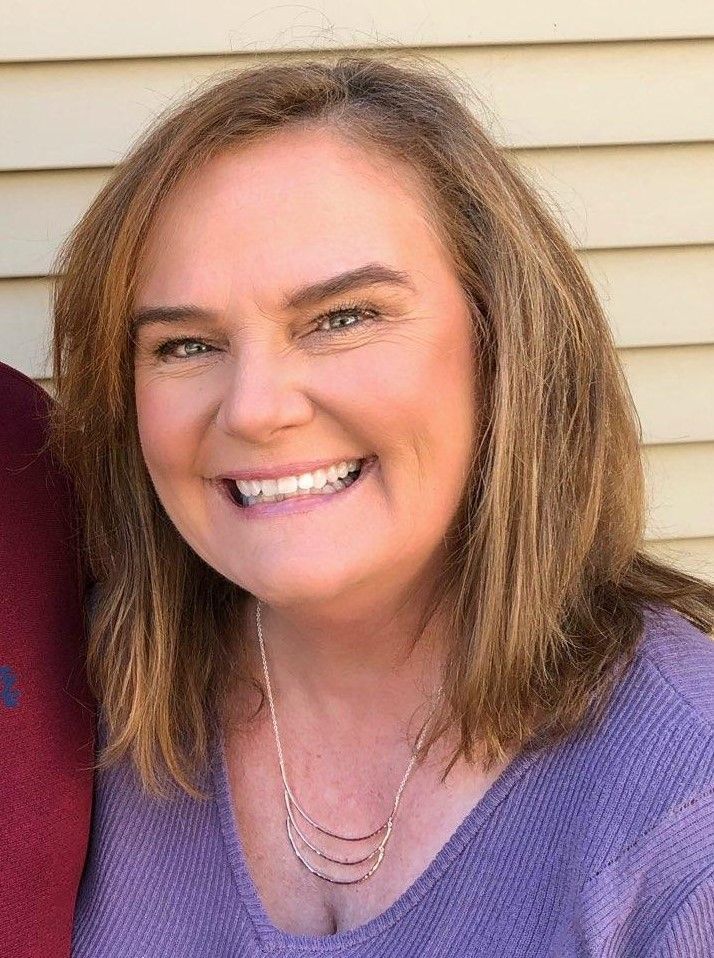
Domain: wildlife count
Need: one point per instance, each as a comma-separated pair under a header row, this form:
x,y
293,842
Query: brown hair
x,y
547,579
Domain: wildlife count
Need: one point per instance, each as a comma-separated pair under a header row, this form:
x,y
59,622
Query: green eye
x,y
360,315
190,348
169,346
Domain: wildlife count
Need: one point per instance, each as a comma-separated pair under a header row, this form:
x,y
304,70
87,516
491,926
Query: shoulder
x,y
24,398
650,755
647,776
683,658
42,543
11,377
658,734
35,489
662,718
23,433
659,722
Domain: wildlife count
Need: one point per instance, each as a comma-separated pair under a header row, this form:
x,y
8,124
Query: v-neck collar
x,y
272,938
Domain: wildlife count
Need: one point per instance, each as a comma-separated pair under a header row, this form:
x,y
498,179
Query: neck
x,y
373,661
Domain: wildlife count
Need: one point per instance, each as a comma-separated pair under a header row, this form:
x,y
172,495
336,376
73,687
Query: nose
x,y
261,395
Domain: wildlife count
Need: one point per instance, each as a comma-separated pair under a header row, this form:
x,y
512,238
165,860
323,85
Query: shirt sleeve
x,y
656,899
690,930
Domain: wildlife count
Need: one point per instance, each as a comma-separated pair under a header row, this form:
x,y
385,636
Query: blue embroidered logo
x,y
9,693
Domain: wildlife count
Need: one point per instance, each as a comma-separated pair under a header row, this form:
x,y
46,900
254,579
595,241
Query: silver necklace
x,y
292,805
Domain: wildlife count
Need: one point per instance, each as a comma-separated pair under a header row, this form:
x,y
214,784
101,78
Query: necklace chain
x,y
292,805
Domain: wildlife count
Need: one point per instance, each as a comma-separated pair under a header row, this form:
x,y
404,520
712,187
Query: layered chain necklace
x,y
370,861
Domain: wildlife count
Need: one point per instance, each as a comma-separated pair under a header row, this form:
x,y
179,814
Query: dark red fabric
x,y
46,715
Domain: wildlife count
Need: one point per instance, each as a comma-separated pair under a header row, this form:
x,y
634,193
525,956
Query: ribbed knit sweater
x,y
602,845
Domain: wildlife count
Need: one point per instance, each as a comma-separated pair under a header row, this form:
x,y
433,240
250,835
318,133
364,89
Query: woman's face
x,y
332,328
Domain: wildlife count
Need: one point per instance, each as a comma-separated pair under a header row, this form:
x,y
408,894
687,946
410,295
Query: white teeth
x,y
287,485
321,480
326,490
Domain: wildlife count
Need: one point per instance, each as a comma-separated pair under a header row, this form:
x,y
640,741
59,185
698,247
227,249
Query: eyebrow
x,y
372,274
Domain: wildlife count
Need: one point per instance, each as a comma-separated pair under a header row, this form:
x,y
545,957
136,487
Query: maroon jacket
x,y
46,716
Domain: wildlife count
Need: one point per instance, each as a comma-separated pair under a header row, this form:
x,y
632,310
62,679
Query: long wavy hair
x,y
547,579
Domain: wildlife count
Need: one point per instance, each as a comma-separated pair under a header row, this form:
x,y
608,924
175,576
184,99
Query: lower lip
x,y
307,503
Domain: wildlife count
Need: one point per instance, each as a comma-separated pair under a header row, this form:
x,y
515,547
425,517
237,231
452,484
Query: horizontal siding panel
x,y
656,297
37,210
628,196
25,324
63,115
86,30
608,197
563,95
694,556
673,390
680,479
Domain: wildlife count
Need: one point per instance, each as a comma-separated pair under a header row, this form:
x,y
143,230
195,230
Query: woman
x,y
383,669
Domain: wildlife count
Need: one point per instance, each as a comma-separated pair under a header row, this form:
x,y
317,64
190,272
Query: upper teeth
x,y
288,484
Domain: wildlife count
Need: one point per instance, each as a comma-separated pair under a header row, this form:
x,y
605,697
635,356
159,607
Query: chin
x,y
287,591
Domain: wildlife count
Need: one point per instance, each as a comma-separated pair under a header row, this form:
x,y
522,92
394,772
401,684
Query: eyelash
x,y
164,348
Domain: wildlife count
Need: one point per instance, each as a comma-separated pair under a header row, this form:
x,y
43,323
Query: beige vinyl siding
x,y
693,555
606,108
533,96
680,482
85,29
608,197
673,389
657,296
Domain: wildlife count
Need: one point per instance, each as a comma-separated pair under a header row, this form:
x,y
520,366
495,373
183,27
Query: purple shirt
x,y
601,846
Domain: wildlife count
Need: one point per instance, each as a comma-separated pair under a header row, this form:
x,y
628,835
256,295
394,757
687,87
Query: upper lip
x,y
286,469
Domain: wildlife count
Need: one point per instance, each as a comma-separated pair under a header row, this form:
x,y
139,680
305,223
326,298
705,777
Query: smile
x,y
324,481
301,493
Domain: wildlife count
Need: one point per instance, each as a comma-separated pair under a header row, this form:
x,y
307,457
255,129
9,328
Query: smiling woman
x,y
382,664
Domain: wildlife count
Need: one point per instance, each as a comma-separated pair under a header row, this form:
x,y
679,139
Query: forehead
x,y
297,205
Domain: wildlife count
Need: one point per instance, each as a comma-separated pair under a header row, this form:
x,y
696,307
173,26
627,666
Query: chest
x,y
301,903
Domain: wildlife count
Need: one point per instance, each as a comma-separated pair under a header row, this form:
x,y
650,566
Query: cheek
x,y
433,399
454,397
417,392
168,429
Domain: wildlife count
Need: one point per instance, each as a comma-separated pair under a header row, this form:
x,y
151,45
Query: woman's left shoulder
x,y
683,657
659,725
647,765
647,810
